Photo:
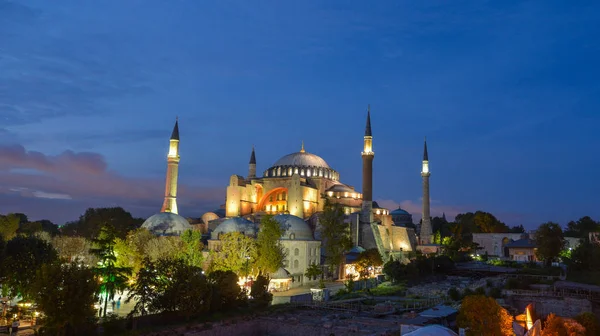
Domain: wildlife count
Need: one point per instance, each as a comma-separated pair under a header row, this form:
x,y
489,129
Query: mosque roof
x,y
166,224
341,188
521,243
432,330
280,274
302,159
295,228
234,224
399,211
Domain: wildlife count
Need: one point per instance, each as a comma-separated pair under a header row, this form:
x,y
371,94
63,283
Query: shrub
x,y
454,294
113,324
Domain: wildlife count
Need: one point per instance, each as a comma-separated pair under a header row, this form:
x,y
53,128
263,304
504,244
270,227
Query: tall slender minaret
x,y
425,235
252,165
170,204
367,178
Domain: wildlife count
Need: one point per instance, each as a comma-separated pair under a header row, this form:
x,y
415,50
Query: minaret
x,y
252,165
425,235
367,178
170,204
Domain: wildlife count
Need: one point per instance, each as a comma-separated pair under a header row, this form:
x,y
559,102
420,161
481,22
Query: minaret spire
x,y
426,232
302,149
252,165
368,126
367,180
170,203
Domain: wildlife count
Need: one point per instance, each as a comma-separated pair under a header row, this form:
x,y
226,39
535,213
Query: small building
x,y
522,250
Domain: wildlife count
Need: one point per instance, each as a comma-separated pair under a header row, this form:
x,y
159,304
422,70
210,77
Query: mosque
x,y
295,189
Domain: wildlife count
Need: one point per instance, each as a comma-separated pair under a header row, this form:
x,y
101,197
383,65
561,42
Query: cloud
x,y
84,178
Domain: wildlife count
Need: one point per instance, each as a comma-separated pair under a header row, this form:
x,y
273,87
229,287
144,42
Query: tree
x,y
164,247
112,278
66,295
91,222
132,250
582,227
145,289
549,241
585,257
481,315
590,322
366,261
225,289
335,234
270,253
313,271
9,225
517,229
74,249
554,326
259,292
192,247
21,259
237,254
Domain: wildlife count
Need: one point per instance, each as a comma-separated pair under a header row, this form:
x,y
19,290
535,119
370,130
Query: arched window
x,y
296,252
295,263
290,171
292,236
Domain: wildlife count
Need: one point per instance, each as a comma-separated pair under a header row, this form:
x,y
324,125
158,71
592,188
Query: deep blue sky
x,y
506,92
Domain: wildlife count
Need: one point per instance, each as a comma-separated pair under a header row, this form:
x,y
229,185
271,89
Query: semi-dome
x,y
295,228
302,159
167,224
280,274
234,224
432,330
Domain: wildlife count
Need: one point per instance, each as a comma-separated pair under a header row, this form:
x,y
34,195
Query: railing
x,y
552,293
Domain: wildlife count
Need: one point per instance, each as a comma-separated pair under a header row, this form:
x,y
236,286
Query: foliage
x,y
145,289
226,291
388,289
162,247
585,257
349,285
66,294
237,254
21,258
112,324
185,289
549,241
270,253
481,222
259,292
554,326
9,225
335,234
74,249
92,221
313,271
517,229
590,322
192,247
582,227
483,316
366,260
30,228
112,277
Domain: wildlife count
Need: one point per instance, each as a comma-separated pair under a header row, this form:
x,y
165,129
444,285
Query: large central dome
x,y
301,159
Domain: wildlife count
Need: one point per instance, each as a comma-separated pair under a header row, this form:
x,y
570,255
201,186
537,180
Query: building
x,y
496,244
401,217
522,250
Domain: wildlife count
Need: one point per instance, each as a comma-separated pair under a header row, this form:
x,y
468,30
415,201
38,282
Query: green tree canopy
x,y
549,241
112,277
21,258
335,234
66,294
237,253
481,222
192,247
227,293
582,227
91,222
366,261
270,253
9,225
74,249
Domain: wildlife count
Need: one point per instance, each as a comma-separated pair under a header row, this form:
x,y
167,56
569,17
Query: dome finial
x,y
302,149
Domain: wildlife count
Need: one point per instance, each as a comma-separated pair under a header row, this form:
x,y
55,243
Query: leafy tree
x,y
517,229
226,291
590,322
549,241
367,260
585,257
192,247
66,295
335,234
21,259
112,277
74,249
582,227
440,225
164,247
237,254
9,225
270,253
482,315
92,221
145,289
259,291
554,326
481,222
132,250
313,271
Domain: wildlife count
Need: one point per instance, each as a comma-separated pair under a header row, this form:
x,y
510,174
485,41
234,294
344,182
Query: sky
x,y
506,92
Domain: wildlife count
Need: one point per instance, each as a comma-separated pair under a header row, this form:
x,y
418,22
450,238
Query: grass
x,y
586,277
388,289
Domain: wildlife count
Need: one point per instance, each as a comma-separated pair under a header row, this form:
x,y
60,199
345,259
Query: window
x,y
292,236
296,252
295,263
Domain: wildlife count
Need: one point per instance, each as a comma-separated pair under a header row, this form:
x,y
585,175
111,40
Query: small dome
x,y
341,188
357,250
399,211
302,159
234,224
295,228
432,330
167,224
281,274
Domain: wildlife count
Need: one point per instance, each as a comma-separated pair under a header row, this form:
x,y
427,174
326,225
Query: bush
x,y
454,294
259,293
349,285
590,322
113,324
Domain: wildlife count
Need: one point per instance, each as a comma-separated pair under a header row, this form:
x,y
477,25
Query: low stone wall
x,y
566,307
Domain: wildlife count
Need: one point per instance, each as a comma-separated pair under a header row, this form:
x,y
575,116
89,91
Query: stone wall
x,y
566,307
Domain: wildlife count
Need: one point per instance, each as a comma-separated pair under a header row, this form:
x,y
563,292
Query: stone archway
x,y
274,201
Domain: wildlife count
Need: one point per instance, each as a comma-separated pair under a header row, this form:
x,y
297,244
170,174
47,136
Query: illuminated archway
x,y
274,202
